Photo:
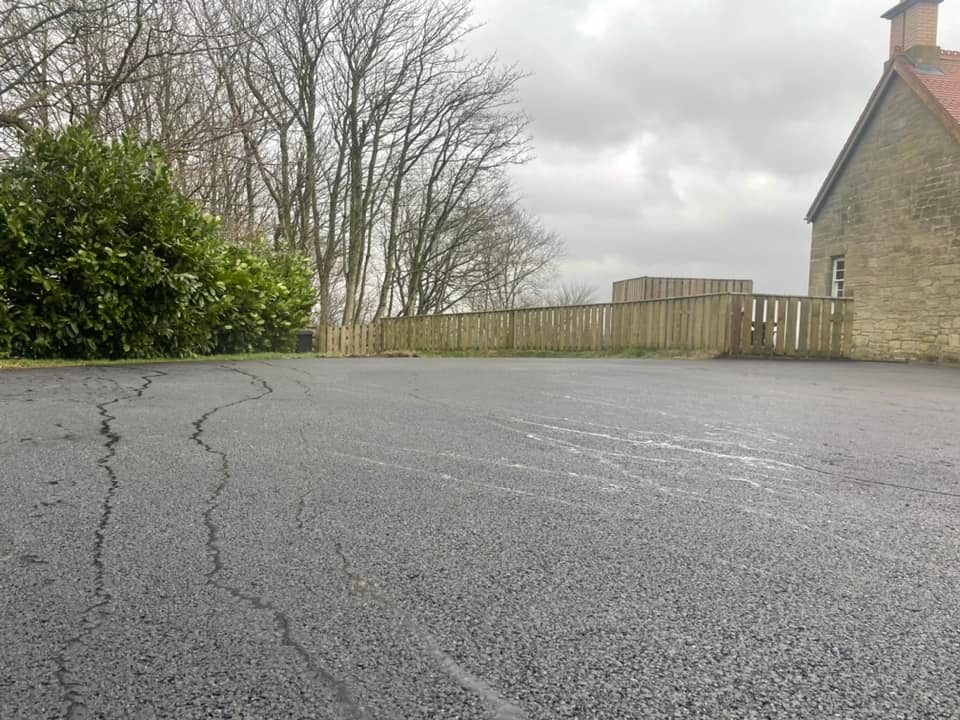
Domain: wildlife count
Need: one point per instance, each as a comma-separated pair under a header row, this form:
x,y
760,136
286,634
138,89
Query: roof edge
x,y
931,102
901,66
851,142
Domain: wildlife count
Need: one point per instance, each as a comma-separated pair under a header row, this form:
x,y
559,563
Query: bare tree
x,y
479,134
518,259
571,293
33,37
358,132
67,60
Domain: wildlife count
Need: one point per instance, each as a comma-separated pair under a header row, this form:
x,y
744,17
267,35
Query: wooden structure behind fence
x,y
718,324
658,288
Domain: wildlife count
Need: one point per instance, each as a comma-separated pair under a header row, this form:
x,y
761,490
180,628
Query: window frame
x,y
838,276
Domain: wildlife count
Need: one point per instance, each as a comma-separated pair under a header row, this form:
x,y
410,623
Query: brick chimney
x,y
913,29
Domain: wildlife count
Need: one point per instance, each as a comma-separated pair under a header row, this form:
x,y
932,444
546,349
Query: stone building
x,y
886,222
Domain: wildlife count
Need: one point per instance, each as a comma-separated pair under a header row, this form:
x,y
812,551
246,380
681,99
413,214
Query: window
x,y
839,273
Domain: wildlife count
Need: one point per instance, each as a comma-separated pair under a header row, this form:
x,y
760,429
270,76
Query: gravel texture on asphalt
x,y
459,538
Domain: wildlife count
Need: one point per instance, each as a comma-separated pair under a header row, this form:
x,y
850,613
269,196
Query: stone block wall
x,y
894,213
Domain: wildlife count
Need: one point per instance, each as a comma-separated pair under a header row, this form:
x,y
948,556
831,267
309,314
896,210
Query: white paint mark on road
x,y
748,459
463,481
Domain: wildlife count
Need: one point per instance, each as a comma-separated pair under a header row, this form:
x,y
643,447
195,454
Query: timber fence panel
x,y
651,324
727,323
681,324
574,338
707,319
721,325
826,327
813,334
787,336
675,310
737,324
697,320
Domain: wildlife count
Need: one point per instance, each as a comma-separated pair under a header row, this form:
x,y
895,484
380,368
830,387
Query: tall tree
x,y
359,132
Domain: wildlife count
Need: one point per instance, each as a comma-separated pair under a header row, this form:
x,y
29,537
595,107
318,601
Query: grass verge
x,y
635,353
15,363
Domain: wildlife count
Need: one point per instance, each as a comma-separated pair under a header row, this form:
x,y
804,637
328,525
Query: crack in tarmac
x,y
307,390
93,616
215,552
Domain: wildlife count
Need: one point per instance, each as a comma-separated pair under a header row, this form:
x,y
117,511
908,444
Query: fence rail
x,y
722,323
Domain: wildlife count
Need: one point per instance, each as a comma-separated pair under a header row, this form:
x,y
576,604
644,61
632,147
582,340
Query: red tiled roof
x,y
937,88
944,88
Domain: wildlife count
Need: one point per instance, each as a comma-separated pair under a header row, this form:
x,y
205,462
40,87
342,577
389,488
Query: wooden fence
x,y
721,324
350,339
792,326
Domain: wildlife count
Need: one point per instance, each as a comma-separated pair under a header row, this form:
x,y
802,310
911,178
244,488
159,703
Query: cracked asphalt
x,y
506,539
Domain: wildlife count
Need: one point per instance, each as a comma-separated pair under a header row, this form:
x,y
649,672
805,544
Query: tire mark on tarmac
x,y
502,709
215,552
93,616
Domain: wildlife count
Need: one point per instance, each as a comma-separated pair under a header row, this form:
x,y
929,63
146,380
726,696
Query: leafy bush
x,y
267,299
101,256
6,324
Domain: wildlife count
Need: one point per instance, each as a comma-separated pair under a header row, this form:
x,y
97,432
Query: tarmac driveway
x,y
480,539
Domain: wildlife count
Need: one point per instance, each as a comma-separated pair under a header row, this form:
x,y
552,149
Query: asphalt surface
x,y
504,539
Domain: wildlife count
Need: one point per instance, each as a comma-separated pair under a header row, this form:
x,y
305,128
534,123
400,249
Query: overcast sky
x,y
688,137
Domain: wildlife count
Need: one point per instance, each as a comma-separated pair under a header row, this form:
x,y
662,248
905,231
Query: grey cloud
x,y
742,105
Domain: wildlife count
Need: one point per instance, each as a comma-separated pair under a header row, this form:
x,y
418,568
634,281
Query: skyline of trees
x,y
359,133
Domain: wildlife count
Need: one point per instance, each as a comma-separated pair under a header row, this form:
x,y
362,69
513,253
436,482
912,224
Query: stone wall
x,y
895,214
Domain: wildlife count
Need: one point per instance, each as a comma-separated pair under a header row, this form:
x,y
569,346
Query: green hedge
x,y
101,256
267,298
